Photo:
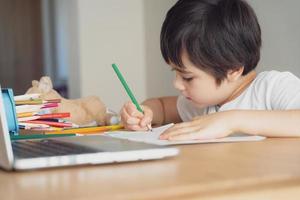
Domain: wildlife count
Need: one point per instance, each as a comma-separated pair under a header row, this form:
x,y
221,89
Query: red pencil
x,y
50,105
54,115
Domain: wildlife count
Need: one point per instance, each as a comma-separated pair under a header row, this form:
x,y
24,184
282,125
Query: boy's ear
x,y
235,74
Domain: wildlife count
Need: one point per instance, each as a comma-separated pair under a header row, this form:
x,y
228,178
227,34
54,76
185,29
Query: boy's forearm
x,y
164,110
267,123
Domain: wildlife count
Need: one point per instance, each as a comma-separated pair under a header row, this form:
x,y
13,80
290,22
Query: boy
x,y
214,46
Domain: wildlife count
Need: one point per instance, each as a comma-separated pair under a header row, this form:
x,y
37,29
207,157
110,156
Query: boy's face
x,y
200,87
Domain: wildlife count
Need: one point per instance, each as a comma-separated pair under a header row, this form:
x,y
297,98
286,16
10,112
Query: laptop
x,y
72,150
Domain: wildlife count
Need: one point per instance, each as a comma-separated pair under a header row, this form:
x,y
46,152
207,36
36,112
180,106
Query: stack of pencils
x,y
36,114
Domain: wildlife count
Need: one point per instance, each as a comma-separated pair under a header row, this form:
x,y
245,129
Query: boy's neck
x,y
246,81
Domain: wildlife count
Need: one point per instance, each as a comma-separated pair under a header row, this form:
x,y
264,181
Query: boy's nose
x,y
178,83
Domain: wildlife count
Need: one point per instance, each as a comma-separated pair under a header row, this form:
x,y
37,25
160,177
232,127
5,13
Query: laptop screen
x,y
6,155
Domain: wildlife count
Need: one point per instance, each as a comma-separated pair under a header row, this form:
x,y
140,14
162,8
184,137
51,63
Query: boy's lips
x,y
188,98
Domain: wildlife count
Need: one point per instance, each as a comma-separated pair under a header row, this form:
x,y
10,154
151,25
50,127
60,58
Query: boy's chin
x,y
199,105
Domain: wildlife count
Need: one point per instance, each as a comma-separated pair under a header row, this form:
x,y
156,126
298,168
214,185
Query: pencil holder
x,y
10,110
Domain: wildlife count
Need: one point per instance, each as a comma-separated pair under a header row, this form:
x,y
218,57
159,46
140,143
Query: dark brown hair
x,y
217,35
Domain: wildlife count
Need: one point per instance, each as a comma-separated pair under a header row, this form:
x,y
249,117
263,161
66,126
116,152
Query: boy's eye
x,y
187,79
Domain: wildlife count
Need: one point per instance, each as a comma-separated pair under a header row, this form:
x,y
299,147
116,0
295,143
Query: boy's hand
x,y
211,126
133,119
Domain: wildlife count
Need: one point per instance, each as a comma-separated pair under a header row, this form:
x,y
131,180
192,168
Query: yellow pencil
x,y
29,102
26,114
87,130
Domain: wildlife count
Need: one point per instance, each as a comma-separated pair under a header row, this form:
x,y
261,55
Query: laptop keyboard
x,y
45,148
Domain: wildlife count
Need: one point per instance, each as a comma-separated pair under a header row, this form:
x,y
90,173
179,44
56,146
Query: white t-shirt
x,y
270,90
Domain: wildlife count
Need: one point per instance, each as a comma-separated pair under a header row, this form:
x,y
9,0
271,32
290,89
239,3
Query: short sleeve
x,y
285,94
187,110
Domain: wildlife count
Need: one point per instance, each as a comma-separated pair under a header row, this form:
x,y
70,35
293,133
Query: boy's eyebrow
x,y
180,70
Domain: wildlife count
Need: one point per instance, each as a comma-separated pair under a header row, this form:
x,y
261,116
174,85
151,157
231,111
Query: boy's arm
x,y
284,123
164,110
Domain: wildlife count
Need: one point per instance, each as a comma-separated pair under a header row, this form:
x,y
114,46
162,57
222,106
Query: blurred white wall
x,y
112,32
159,78
280,23
126,32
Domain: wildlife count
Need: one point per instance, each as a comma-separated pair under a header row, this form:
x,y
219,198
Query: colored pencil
x,y
129,92
24,119
28,108
26,97
88,130
29,125
35,115
29,102
54,115
38,136
37,101
50,105
26,114
52,101
55,124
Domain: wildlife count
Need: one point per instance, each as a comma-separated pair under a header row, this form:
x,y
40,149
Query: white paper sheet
x,y
153,137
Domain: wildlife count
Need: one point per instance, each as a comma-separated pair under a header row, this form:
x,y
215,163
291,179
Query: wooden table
x,y
268,169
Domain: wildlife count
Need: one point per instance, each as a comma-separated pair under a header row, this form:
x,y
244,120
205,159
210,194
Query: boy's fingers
x,y
148,116
145,121
186,136
133,121
124,115
136,128
137,114
179,129
127,111
167,135
191,136
127,119
133,111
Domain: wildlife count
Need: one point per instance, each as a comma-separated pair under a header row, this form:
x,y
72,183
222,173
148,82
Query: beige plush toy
x,y
83,111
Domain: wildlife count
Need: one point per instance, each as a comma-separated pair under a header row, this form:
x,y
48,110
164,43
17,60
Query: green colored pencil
x,y
125,85
38,136
130,94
